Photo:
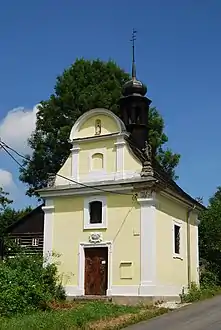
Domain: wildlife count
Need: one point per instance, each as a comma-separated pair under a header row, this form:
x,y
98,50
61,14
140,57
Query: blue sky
x,y
178,54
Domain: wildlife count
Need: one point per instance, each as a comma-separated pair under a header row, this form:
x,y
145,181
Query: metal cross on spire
x,y
134,37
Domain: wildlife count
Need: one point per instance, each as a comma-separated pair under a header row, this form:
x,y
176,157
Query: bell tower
x,y
134,105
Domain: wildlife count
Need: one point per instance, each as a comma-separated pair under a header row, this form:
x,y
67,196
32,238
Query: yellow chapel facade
x,y
118,233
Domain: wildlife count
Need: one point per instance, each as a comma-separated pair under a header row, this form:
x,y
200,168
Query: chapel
x,y
122,227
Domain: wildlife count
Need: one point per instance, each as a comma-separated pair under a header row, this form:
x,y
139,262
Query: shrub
x,y
196,292
26,285
209,274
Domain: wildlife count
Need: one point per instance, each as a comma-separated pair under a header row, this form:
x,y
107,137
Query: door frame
x,y
81,264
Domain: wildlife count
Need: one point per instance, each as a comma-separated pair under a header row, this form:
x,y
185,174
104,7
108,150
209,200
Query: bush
x,y
196,292
26,285
208,279
209,274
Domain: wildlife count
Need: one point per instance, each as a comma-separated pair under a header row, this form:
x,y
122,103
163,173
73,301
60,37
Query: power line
x,y
4,146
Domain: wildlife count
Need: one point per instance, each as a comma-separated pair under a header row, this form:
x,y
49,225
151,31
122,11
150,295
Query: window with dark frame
x,y
177,239
95,210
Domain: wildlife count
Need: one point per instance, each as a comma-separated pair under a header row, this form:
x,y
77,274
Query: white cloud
x,y
17,126
8,184
6,180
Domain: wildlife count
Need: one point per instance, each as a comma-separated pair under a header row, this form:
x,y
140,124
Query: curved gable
x,y
96,122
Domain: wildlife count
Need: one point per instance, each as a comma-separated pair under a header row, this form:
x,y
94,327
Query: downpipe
x,y
188,245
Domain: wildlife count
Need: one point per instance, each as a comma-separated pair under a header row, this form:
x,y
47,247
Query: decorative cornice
x,y
98,138
48,208
84,191
147,196
75,148
120,143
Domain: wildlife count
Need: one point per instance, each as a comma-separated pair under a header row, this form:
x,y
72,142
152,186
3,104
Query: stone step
x,y
92,298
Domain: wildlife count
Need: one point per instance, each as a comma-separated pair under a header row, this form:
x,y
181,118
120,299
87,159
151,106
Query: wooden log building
x,y
28,231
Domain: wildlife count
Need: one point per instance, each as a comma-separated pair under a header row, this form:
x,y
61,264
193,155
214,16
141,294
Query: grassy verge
x,y
91,315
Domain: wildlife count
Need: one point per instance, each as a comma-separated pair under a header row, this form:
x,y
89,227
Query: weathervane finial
x,y
134,32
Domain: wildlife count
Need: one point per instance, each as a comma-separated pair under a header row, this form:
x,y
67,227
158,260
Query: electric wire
x,y
4,146
15,160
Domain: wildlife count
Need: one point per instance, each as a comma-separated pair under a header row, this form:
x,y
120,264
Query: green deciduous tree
x,y
4,200
210,235
9,215
83,86
216,197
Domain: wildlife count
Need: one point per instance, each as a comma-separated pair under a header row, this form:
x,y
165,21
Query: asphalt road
x,y
205,315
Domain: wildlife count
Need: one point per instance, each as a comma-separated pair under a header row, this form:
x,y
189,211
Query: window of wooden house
x,y
176,239
35,241
17,240
95,209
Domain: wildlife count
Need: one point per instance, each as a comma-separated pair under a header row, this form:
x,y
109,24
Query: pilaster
x,y
147,200
48,230
120,144
197,249
75,161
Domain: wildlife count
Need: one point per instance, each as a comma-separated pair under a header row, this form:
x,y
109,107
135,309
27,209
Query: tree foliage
x,y
9,215
4,200
83,86
216,197
210,235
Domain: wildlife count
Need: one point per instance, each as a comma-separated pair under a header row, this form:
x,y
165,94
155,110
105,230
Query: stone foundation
x,y
127,300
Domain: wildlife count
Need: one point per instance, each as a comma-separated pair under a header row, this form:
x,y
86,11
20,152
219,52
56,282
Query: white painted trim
x,y
48,230
87,224
72,291
147,243
81,264
99,137
75,162
168,290
99,111
197,254
125,290
94,172
69,191
104,176
157,290
120,147
133,290
179,223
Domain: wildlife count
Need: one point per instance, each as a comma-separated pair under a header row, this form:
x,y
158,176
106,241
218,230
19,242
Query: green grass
x,y
89,315
76,318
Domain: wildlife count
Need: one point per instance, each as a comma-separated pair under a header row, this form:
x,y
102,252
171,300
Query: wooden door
x,y
96,268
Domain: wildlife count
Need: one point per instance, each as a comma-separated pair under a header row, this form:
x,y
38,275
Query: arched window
x,y
95,210
97,161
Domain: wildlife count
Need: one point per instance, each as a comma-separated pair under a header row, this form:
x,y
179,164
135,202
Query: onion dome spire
x,y
134,86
